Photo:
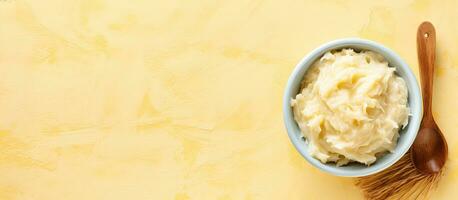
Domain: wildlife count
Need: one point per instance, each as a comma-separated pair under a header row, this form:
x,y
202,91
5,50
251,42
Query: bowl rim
x,y
306,62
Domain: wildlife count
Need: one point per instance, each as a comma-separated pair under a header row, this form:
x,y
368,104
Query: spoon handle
x,y
426,50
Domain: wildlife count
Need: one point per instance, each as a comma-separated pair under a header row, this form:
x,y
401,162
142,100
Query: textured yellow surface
x,y
181,100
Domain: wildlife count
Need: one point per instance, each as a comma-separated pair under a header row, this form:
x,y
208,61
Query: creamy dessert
x,y
351,107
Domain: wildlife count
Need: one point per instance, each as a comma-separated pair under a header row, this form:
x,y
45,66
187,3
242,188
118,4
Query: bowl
x,y
407,134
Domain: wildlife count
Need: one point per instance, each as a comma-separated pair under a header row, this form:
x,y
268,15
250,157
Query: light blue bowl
x,y
407,135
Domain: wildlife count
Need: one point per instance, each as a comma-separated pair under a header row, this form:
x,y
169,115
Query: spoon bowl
x,y
429,152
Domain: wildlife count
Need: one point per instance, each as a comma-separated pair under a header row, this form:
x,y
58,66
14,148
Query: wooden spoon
x,y
429,151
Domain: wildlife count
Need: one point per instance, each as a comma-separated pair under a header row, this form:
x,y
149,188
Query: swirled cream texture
x,y
351,107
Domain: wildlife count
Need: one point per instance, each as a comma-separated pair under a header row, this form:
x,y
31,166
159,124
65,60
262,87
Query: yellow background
x,y
181,100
